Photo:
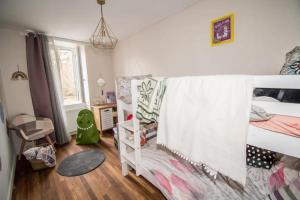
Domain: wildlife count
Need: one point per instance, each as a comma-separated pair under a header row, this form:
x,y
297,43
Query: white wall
x,y
13,53
180,44
17,93
99,64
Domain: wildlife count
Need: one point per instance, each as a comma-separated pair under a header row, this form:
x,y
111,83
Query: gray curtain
x,y
43,87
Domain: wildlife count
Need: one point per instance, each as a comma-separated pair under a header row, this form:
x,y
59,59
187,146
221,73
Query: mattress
x,y
178,179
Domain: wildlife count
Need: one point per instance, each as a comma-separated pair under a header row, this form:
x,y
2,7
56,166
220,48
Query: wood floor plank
x,y
88,188
106,182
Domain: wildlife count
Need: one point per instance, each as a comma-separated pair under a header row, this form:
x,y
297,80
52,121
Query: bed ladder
x,y
130,150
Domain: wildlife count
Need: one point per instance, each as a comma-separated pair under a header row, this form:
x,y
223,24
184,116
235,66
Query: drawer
x,y
107,119
106,112
106,126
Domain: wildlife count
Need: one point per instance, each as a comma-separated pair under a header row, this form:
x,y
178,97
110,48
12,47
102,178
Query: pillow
x,y
292,63
291,67
260,158
259,114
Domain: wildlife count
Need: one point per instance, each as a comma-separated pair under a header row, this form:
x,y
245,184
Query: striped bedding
x,y
178,179
287,192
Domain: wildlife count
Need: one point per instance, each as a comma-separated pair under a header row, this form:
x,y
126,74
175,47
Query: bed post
x,y
136,127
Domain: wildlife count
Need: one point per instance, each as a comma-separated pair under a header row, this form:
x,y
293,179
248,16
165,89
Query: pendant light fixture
x,y
103,37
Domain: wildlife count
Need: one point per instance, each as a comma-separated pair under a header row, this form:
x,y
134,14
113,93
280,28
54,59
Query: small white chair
x,y
30,128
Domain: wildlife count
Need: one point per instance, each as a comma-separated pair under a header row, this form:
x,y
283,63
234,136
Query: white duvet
x,y
205,119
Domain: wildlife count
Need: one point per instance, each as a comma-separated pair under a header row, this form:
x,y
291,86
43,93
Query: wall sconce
x,y
19,75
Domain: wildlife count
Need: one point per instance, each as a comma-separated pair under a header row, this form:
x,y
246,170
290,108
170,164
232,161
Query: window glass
x,y
70,74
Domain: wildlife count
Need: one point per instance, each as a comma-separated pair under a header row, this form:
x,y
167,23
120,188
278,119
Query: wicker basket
x,y
38,164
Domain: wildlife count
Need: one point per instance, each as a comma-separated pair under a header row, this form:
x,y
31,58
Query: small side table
x,y
105,116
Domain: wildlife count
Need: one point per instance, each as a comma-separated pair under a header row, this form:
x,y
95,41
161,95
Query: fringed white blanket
x,y
205,119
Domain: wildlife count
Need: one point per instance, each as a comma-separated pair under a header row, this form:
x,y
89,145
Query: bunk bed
x,y
145,160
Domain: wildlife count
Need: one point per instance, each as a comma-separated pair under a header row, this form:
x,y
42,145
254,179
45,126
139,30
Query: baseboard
x,y
12,178
74,132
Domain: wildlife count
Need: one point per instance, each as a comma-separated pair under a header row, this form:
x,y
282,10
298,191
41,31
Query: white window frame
x,y
63,45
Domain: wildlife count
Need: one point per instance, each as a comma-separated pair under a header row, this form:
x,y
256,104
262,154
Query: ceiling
x,y
77,19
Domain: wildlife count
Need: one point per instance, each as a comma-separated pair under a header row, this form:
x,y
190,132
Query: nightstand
x,y
105,116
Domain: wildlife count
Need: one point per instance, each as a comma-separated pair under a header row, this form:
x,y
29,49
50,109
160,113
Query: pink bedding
x,y
288,125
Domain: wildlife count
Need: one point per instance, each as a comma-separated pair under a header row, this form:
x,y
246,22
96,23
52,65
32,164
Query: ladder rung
x,y
128,142
128,125
130,157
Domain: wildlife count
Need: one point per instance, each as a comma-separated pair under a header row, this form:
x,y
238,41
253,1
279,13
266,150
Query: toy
x,y
87,132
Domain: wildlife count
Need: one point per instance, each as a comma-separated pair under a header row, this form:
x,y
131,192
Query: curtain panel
x,y
44,87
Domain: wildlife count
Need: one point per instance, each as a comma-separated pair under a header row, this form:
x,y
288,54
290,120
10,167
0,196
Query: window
x,y
70,72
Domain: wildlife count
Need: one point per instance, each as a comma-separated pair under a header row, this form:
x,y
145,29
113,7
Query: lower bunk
x,y
178,179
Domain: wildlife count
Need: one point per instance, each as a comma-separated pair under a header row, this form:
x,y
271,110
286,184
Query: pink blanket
x,y
288,125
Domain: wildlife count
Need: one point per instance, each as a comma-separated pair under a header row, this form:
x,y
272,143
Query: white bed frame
x,y
130,151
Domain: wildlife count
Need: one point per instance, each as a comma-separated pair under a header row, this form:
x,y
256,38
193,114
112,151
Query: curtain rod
x,y
69,40
26,32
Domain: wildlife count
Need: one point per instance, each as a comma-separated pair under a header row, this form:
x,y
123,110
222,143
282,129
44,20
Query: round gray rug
x,y
81,163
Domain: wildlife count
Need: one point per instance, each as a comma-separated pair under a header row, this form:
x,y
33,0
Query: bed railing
x,y
277,81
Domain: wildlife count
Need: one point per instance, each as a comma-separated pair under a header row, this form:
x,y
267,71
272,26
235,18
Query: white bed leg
x,y
124,169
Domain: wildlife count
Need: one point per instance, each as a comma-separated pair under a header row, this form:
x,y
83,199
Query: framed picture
x,y
222,30
110,97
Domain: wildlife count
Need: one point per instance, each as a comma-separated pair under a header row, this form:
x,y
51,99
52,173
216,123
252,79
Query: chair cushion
x,y
38,134
32,128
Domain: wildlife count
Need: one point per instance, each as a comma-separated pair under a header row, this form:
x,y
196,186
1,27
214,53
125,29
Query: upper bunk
x,y
259,137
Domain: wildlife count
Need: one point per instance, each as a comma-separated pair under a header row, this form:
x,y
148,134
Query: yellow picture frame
x,y
220,24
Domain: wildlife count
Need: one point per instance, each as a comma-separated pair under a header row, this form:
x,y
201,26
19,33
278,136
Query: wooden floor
x,y
106,182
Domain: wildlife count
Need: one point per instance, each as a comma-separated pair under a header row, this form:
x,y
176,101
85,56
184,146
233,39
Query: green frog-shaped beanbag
x,y
87,132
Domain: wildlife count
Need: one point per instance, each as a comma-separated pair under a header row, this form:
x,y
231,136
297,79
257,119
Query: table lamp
x,y
101,83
